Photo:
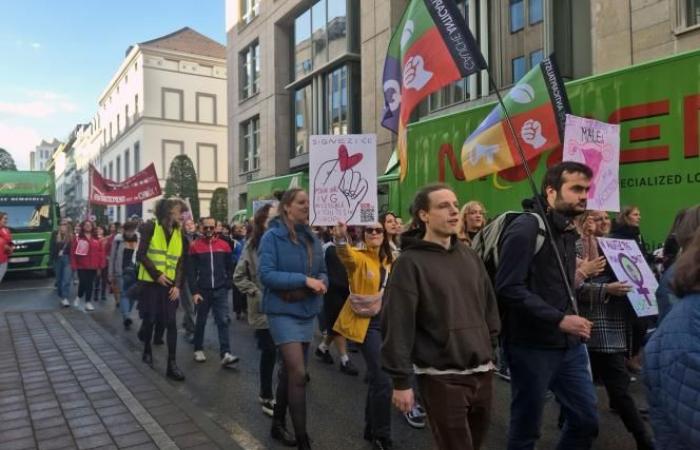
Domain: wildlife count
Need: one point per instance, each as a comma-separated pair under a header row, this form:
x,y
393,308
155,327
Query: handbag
x,y
369,305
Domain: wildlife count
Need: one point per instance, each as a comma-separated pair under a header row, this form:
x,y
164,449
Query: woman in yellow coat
x,y
368,269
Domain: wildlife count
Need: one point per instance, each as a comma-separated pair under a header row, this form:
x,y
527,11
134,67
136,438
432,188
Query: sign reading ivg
x,y
657,105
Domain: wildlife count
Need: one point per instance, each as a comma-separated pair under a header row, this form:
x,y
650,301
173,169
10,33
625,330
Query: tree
x,y
182,182
219,204
6,160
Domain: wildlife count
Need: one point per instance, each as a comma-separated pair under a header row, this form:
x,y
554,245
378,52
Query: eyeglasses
x,y
374,230
208,228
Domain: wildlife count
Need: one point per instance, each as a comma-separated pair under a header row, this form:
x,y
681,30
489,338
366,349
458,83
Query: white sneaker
x,y
229,359
65,303
76,303
199,356
89,307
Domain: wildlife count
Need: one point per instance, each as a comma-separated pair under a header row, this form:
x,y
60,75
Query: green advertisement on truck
x,y
657,105
28,198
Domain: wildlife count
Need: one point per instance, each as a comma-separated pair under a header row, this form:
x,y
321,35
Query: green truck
x,y
657,105
29,199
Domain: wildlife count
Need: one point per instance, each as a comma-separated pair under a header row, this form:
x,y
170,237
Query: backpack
x,y
487,242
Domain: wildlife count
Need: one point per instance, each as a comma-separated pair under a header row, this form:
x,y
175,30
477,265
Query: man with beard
x,y
543,336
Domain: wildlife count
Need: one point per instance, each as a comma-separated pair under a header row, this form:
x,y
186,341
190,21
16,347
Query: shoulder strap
x,y
383,276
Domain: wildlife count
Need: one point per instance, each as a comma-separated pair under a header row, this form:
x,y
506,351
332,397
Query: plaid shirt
x,y
610,316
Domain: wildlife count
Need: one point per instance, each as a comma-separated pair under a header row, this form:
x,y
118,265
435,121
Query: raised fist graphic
x,y
414,74
531,132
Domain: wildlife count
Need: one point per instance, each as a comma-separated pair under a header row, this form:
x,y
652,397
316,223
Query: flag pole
x,y
533,186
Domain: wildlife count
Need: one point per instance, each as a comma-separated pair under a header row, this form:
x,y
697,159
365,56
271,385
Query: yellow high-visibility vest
x,y
163,254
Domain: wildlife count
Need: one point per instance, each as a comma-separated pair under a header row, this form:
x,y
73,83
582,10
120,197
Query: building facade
x,y
302,67
43,153
167,98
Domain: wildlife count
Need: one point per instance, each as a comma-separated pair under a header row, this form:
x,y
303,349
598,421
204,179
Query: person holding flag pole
x,y
431,48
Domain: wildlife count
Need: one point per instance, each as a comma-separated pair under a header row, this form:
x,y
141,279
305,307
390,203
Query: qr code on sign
x,y
367,213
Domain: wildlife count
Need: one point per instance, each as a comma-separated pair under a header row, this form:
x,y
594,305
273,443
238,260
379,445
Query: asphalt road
x,y
335,402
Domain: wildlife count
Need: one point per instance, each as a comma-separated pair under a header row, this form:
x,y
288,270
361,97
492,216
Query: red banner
x,y
135,189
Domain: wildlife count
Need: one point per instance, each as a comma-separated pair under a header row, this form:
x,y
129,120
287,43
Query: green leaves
x,y
182,182
6,160
219,205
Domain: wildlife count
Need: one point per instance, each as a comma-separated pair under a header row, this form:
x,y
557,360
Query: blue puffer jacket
x,y
284,266
672,374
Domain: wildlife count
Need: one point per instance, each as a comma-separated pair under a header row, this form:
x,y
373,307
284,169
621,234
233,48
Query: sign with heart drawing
x,y
343,179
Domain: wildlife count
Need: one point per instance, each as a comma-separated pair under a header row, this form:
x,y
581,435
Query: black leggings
x,y
268,357
291,389
148,325
86,280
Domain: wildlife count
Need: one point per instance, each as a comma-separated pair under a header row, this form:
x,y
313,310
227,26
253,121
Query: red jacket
x,y
5,241
94,259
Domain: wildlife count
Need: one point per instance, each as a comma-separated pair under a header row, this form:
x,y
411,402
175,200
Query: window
x,y
337,101
250,70
119,168
173,106
170,150
110,131
206,162
127,169
302,119
136,106
250,143
111,171
126,116
536,57
249,9
337,28
518,67
692,12
302,44
137,155
104,171
119,126
517,15
318,34
534,12
206,108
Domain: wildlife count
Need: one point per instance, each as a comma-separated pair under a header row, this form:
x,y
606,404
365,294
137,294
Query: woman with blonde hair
x,y
60,253
472,219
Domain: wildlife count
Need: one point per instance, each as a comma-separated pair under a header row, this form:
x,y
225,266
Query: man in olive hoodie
x,y
440,322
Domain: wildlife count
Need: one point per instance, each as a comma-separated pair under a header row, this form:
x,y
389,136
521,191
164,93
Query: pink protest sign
x,y
628,263
597,145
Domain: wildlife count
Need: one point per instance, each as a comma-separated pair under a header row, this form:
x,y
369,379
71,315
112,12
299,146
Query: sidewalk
x,y
65,383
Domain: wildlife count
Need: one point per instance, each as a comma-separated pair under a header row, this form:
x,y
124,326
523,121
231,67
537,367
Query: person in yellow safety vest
x,y
161,276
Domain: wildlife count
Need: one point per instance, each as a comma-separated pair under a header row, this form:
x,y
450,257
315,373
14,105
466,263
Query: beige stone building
x,y
301,67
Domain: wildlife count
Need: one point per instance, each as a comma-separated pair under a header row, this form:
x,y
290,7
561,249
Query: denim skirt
x,y
285,328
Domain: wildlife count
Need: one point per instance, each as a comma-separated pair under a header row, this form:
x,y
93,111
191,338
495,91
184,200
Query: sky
x,y
59,55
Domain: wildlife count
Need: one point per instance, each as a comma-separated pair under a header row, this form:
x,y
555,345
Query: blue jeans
x,y
216,301
126,304
566,372
380,389
64,276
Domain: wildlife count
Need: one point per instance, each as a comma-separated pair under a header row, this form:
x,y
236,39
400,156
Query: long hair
x,y
68,235
688,226
165,205
624,217
686,279
3,214
385,253
286,200
81,229
382,219
259,225
463,233
421,202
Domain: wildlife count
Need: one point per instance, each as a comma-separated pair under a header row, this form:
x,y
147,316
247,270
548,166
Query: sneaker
x,y
89,307
76,303
382,444
199,356
65,303
415,419
349,369
325,357
228,359
503,373
420,411
268,406
127,323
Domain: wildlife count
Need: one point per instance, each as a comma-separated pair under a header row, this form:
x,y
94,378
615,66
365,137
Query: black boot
x,y
644,441
280,434
147,357
303,442
173,372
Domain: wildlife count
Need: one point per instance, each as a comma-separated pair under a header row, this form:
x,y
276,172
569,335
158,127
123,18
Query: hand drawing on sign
x,y
635,275
415,76
336,182
531,132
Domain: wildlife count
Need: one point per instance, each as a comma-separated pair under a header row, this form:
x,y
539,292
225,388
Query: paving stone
x,y
143,447
75,404
10,399
41,406
124,428
106,403
93,441
78,412
57,443
16,414
90,430
112,410
178,429
20,444
192,439
16,433
172,418
45,413
13,407
15,423
53,432
78,422
117,419
155,402
128,440
48,423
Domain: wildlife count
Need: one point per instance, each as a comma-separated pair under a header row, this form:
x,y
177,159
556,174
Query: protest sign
x,y
135,189
257,204
343,179
597,145
628,264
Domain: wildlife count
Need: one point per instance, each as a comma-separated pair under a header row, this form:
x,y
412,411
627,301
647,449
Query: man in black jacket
x,y
543,335
440,322
209,272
